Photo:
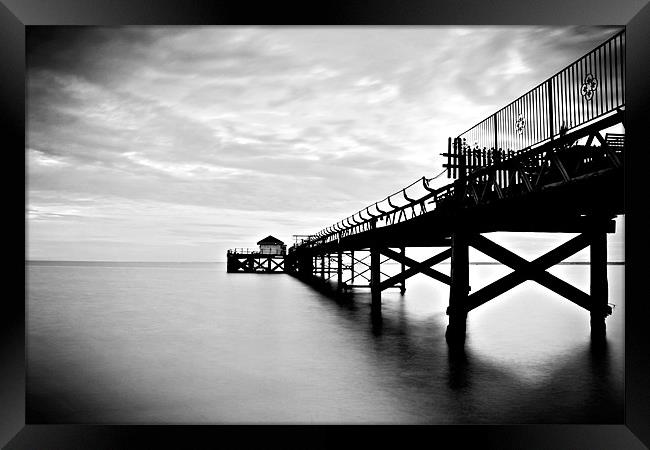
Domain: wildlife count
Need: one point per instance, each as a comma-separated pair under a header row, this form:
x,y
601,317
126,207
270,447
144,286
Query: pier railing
x,y
254,251
522,174
243,251
585,90
539,131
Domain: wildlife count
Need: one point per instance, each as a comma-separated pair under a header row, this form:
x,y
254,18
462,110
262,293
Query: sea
x,y
188,343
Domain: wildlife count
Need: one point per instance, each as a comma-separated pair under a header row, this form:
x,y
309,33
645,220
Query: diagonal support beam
x,y
361,261
237,264
608,151
560,167
529,270
416,267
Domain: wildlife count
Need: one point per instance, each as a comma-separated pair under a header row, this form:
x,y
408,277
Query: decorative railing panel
x,y
589,88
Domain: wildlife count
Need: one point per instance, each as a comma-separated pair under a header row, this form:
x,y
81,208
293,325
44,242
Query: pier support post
x,y
329,266
598,281
305,265
375,274
459,289
402,287
339,271
352,266
322,266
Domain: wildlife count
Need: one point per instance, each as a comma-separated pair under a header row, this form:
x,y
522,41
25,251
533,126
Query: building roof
x,y
270,240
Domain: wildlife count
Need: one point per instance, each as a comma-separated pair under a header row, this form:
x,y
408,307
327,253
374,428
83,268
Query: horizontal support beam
x,y
364,286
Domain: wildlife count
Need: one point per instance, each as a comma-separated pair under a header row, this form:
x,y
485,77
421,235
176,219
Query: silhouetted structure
x,y
272,246
540,164
269,258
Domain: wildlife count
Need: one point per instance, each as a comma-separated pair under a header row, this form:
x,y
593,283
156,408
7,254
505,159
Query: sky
x,y
177,143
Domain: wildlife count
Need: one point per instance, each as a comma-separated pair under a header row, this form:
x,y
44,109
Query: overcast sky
x,y
177,143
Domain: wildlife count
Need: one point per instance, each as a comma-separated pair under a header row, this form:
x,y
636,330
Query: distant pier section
x,y
267,258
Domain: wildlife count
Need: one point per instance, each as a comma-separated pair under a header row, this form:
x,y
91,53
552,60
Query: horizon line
x,y
496,263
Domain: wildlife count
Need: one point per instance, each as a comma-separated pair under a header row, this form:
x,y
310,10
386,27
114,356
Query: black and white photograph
x,y
325,224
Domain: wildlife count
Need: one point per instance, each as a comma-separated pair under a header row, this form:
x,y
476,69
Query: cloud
x,y
135,132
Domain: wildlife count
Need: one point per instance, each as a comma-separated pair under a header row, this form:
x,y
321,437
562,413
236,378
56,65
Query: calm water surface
x,y
189,343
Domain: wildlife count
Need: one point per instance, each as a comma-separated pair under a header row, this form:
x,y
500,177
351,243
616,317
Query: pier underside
x,y
551,161
587,207
256,263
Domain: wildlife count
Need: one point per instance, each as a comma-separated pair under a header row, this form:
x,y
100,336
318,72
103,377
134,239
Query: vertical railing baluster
x,y
622,69
616,75
611,71
550,108
600,79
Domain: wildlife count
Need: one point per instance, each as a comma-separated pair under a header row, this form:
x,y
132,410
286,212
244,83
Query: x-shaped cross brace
x,y
277,265
530,270
415,267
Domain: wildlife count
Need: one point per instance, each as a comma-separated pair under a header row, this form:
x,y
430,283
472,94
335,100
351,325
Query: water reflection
x,y
376,320
466,384
114,346
458,367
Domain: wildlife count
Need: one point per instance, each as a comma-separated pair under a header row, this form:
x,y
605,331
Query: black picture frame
x,y
15,15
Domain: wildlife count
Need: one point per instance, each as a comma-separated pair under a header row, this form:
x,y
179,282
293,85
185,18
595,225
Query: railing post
x,y
449,157
496,140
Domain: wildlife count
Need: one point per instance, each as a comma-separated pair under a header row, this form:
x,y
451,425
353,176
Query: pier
x,y
268,258
551,161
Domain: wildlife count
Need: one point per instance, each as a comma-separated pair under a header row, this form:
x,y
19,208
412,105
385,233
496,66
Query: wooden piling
x,y
375,274
459,289
322,266
598,282
402,287
339,271
329,266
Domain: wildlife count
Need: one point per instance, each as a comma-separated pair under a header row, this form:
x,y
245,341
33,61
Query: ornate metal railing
x,y
539,132
591,87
